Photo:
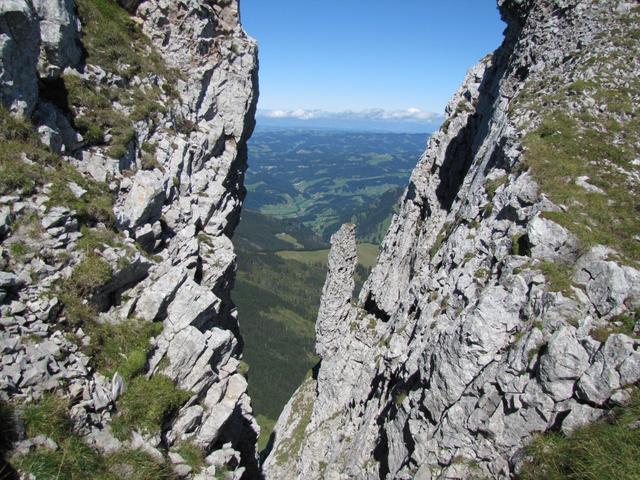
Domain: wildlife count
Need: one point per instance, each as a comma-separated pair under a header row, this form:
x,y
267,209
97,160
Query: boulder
x,y
193,305
550,241
9,280
615,365
152,304
143,203
562,364
118,386
188,420
55,217
579,416
609,285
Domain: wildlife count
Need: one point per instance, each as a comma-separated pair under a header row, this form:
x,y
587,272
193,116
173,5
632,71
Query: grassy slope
x,y
277,303
257,231
367,255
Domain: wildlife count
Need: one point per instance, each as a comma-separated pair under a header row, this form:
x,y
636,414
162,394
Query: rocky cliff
x,y
505,298
123,152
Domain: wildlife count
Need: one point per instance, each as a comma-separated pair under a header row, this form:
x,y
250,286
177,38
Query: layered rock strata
x,y
493,314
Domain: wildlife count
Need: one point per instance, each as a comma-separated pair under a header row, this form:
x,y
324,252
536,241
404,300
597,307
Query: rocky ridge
x,y
119,222
505,299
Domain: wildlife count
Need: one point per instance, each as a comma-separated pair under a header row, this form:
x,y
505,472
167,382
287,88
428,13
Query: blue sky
x,y
373,59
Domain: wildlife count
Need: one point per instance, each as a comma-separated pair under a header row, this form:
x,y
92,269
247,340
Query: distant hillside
x,y
265,233
322,178
373,222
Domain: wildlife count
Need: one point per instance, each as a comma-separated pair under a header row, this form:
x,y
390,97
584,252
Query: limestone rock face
x,y
337,291
60,42
19,41
482,322
169,257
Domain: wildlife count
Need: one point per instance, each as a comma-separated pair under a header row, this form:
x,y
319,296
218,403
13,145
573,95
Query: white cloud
x,y
410,114
300,114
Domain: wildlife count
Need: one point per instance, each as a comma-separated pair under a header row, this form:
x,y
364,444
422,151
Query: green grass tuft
x,y
48,417
626,324
90,274
75,460
560,151
121,348
116,43
146,404
134,465
558,277
492,186
192,454
303,408
18,139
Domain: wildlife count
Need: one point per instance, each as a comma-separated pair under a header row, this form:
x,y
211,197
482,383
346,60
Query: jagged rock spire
x,y
335,302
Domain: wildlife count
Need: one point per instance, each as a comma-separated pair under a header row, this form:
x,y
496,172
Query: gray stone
x,y
153,302
19,38
138,442
76,189
188,420
562,364
182,470
6,218
583,181
579,416
608,285
337,290
9,280
18,308
199,189
457,352
551,242
616,364
35,374
118,386
100,397
99,167
143,203
222,412
102,439
55,217
59,35
193,305
145,236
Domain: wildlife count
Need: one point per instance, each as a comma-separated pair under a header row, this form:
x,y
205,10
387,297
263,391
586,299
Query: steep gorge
x,y
505,300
